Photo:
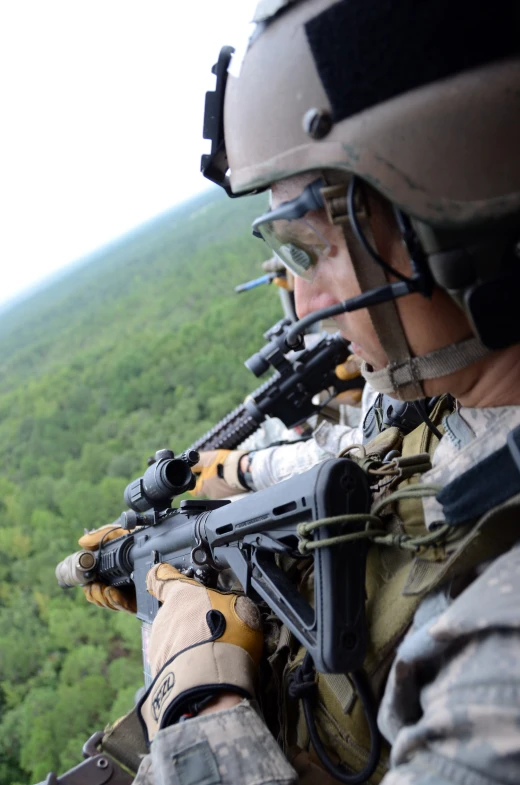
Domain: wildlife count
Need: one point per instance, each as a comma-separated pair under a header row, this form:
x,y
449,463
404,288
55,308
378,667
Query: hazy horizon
x,y
102,108
51,276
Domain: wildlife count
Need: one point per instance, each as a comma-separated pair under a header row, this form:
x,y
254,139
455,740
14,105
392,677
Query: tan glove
x,y
203,643
217,473
350,369
116,599
349,397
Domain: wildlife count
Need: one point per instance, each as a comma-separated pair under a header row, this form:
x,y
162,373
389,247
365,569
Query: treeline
x,y
139,347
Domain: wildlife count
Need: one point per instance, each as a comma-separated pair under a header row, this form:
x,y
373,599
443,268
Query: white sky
x,y
101,107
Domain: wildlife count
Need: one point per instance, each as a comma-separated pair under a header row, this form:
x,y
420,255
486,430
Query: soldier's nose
x,y
302,297
310,296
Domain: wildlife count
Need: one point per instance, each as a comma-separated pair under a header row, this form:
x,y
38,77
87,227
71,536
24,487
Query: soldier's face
x,y
334,280
428,323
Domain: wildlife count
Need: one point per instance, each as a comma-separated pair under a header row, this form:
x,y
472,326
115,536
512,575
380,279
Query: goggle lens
x,y
296,243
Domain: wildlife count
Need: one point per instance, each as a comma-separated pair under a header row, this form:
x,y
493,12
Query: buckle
x,y
96,769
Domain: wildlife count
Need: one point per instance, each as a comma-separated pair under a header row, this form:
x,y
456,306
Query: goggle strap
x,y
335,203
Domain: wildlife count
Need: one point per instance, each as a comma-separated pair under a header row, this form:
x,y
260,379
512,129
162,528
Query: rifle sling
x,y
125,742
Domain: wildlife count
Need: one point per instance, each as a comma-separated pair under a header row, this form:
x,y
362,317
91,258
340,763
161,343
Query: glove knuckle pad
x,y
247,612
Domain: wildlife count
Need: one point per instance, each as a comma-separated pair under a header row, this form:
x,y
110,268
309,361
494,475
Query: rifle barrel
x,y
235,427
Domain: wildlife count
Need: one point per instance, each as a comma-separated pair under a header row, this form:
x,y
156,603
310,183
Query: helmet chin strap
x,y
398,379
403,376
385,316
394,379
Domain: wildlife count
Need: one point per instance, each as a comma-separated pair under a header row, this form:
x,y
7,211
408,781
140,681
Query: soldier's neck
x,y
494,381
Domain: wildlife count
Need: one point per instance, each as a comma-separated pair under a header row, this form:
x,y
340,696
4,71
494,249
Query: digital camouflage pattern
x,y
451,707
231,747
452,704
485,432
274,464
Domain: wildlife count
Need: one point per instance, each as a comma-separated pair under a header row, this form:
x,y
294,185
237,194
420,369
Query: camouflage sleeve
x,y
271,465
452,704
231,747
275,464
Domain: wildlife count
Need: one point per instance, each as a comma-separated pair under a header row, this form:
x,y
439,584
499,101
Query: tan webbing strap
x,y
433,365
446,360
125,742
385,316
370,275
341,687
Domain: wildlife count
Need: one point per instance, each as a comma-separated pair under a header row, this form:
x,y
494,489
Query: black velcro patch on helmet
x,y
368,51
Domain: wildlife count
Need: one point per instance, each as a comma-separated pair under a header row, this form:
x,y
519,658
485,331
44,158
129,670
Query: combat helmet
x,y
421,100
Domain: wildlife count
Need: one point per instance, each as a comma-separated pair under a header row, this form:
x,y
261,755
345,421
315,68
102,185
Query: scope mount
x,y
274,352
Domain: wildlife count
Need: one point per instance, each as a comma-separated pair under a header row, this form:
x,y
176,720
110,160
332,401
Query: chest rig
x,y
404,563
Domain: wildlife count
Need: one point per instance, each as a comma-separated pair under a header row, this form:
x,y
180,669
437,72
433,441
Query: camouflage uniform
x,y
471,436
232,746
451,708
274,464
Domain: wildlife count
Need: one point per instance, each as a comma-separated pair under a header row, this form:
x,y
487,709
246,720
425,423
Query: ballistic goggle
x,y
295,240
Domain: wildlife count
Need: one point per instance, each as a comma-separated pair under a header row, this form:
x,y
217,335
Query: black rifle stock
x,y
205,537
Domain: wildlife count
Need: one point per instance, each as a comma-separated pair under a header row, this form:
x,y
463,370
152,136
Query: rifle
x,y
288,394
202,538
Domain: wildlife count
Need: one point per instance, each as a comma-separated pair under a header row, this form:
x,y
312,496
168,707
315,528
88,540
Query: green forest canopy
x,y
139,347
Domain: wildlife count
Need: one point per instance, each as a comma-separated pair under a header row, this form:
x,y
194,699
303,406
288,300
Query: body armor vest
x,y
396,582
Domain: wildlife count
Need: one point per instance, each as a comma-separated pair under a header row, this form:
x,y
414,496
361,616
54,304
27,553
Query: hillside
x,y
138,347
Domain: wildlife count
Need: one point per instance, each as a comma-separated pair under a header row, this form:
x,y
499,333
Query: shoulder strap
x,y
495,533
486,485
